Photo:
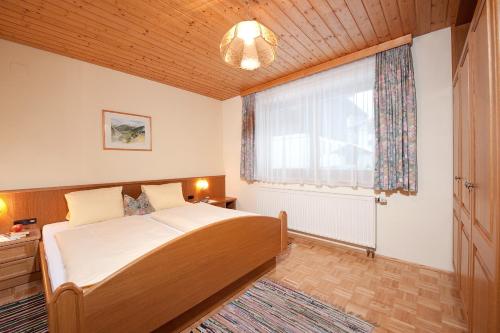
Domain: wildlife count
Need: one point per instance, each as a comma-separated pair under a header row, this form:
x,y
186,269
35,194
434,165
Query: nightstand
x,y
19,260
224,202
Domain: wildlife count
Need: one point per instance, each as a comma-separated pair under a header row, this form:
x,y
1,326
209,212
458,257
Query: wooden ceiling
x,y
176,42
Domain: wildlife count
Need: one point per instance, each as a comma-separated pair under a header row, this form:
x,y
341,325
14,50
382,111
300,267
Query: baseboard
x,y
332,243
323,240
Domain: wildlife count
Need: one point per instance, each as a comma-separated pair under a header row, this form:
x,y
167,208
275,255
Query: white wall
x,y
50,123
413,228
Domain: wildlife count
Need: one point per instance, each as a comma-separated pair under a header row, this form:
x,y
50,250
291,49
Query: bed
x,y
200,250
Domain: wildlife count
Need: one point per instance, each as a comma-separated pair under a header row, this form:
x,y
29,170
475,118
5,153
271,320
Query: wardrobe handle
x,y
458,178
469,185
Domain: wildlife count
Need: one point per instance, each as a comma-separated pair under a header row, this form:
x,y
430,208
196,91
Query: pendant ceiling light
x,y
249,45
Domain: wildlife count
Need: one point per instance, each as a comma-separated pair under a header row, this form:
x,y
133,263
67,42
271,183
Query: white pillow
x,y
94,205
164,196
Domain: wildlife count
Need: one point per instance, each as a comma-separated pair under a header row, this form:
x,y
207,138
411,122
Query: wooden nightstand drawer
x,y
17,268
17,251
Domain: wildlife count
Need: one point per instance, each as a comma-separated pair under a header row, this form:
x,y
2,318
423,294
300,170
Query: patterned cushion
x,y
139,206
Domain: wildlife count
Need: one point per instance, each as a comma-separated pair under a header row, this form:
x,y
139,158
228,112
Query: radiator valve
x,y
381,199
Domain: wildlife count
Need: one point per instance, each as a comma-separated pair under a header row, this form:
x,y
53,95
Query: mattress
x,y
189,217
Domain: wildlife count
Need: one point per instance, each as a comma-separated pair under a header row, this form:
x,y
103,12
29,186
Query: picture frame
x,y
126,131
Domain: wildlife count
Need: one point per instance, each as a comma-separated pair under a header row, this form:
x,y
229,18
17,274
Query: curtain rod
x,y
407,39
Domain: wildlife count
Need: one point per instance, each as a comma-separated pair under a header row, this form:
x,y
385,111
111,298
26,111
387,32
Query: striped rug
x,y
271,307
26,315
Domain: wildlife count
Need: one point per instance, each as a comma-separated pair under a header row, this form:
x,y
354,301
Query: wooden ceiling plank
x,y
34,17
423,10
286,42
359,14
282,57
267,13
343,15
290,11
321,16
292,30
127,66
452,12
155,47
377,18
176,42
201,47
109,38
240,12
161,11
408,14
26,37
439,11
62,35
247,79
295,45
285,62
407,39
392,17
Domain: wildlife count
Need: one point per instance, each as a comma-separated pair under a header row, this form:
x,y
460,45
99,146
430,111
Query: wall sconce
x,y
3,207
202,186
3,216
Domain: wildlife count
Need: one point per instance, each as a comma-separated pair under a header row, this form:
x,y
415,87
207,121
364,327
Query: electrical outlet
x,y
26,221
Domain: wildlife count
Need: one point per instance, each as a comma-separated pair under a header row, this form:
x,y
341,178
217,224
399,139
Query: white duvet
x,y
193,216
87,254
95,251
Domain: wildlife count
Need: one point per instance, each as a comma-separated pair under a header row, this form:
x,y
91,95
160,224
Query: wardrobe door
x,y
480,184
465,156
456,247
456,178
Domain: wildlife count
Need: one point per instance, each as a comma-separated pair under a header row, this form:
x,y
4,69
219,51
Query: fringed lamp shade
x,y
249,45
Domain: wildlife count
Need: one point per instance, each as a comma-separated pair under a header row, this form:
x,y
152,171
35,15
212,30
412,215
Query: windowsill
x,y
344,190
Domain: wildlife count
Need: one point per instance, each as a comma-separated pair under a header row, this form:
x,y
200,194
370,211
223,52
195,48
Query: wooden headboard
x,y
48,205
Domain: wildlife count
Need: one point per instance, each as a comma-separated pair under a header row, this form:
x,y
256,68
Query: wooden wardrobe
x,y
476,186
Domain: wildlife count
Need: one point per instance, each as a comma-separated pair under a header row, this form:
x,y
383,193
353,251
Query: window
x,y
319,129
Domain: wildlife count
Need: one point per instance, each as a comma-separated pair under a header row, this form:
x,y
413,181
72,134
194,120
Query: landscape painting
x,y
126,131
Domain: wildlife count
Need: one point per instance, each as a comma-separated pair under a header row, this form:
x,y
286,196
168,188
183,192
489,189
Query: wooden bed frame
x,y
167,285
168,281
164,284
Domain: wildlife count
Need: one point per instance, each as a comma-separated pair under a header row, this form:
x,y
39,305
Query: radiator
x,y
346,218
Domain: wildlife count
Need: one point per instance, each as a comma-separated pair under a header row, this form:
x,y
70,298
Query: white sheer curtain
x,y
318,130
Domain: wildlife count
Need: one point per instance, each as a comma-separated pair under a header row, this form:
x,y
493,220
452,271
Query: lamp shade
x,y
3,207
202,184
249,45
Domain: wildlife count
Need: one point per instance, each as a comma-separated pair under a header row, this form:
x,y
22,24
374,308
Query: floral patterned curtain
x,y
395,121
247,139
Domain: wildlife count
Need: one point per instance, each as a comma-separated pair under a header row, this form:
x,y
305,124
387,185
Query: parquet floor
x,y
395,296
23,291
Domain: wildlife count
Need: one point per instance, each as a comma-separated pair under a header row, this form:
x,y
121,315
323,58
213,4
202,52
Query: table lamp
x,y
202,186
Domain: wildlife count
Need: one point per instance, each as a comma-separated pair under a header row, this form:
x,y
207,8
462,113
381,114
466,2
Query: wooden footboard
x,y
65,305
169,280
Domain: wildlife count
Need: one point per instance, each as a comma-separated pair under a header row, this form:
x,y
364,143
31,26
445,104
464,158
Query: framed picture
x,y
126,131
